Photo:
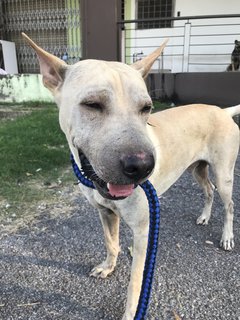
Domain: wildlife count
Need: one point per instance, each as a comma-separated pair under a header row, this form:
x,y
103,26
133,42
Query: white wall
x,y
206,7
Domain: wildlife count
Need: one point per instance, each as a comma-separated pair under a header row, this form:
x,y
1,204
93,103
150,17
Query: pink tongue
x,y
124,190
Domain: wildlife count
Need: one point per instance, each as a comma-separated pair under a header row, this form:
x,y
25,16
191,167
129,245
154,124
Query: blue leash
x,y
154,223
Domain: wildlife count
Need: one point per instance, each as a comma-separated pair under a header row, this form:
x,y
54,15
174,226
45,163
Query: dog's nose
x,y
137,166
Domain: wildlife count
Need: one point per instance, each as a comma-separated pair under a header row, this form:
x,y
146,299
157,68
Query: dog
x,y
235,57
105,113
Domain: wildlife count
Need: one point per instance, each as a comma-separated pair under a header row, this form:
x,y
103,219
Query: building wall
x,y
215,88
23,88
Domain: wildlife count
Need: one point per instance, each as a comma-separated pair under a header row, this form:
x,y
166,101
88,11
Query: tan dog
x,y
105,114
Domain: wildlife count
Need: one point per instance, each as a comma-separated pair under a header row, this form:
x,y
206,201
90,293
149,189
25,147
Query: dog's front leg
x,y
110,223
140,233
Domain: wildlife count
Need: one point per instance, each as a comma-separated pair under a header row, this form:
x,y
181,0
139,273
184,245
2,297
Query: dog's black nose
x,y
137,166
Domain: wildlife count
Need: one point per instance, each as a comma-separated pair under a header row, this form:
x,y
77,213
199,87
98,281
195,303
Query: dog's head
x,y
237,44
103,111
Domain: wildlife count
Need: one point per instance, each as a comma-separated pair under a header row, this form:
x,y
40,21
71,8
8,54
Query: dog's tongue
x,y
119,190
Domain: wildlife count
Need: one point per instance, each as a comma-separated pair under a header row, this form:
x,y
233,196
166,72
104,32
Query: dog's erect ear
x,y
51,67
144,65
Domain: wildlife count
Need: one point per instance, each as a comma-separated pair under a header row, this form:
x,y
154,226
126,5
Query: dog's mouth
x,y
107,189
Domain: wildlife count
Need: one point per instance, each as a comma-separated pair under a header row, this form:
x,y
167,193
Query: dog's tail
x,y
233,111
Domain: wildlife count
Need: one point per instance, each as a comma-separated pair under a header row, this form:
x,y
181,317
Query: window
x,y
154,9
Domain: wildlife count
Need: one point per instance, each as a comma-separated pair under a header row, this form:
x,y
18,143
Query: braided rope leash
x,y
154,223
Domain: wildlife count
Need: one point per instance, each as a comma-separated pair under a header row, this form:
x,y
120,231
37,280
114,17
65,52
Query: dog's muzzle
x,y
135,168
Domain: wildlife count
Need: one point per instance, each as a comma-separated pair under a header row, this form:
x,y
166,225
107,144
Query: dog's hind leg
x,y
200,173
110,222
224,181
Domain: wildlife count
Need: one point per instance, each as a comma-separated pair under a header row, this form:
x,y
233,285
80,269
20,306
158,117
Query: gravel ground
x,y
44,268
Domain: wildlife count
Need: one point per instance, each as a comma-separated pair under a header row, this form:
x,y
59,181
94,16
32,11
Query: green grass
x,y
158,106
27,104
32,148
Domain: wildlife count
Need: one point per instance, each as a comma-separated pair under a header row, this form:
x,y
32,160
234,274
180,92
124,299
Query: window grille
x,y
122,9
53,24
154,9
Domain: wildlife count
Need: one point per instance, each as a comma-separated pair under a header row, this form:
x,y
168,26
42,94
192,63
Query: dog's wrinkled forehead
x,y
92,79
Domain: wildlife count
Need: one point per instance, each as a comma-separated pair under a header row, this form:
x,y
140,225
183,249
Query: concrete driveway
x,y
44,267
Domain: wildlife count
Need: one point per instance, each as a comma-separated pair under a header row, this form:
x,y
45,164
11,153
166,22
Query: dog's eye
x,y
93,105
146,109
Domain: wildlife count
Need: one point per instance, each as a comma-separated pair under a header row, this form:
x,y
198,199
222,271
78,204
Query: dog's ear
x,y
144,65
51,67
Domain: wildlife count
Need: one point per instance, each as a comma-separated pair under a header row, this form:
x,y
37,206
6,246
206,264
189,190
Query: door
x,y
100,30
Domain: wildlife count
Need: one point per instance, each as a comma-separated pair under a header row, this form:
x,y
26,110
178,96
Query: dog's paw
x,y
102,270
227,244
202,219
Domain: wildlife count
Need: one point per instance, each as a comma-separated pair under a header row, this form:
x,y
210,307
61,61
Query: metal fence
x,y
53,24
196,43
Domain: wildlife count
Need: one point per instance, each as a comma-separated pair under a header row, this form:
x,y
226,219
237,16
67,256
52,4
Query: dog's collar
x,y
154,223
80,175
